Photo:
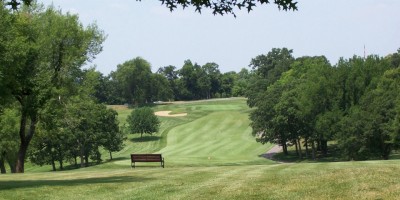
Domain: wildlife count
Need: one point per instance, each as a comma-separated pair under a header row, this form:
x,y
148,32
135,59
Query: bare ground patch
x,y
166,113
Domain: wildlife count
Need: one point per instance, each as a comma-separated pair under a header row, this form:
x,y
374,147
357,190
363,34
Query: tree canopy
x,y
309,102
143,120
217,7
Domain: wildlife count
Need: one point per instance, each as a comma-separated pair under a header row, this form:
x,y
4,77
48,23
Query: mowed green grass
x,y
209,154
214,132
351,180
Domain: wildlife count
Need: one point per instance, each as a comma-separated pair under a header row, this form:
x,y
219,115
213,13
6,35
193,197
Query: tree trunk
x,y
300,153
53,165
297,148
61,164
110,156
60,159
81,155
12,167
87,160
2,167
284,148
313,149
25,140
324,147
306,144
387,148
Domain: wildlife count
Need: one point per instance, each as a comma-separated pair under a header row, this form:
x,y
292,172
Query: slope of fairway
x,y
222,137
214,132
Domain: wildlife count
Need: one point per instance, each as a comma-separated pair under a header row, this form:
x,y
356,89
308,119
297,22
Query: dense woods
x,y
53,110
353,104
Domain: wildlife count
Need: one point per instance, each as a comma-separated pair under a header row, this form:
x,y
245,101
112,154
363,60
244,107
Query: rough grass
x,y
210,154
351,180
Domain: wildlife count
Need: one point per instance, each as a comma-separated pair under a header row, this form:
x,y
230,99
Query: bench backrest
x,y
146,157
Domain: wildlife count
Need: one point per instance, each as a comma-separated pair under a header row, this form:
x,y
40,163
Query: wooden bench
x,y
146,158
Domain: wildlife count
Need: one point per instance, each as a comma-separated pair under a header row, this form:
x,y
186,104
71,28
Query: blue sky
x,y
334,28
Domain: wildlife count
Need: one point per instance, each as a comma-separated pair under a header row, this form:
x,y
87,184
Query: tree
x,y
214,76
134,81
267,69
227,7
51,142
45,52
8,138
112,136
372,124
143,120
160,88
171,74
241,84
219,7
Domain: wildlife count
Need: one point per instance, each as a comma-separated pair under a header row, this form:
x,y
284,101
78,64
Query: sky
x,y
147,29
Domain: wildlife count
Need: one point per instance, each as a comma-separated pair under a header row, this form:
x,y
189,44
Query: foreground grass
x,y
341,180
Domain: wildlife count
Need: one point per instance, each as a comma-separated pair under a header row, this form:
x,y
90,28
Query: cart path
x,y
274,150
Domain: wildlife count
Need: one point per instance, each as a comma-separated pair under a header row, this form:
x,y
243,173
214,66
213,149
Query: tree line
x,y
306,102
135,84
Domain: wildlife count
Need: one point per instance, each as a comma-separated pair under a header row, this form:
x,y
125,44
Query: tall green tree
x,y
8,138
45,52
241,84
369,130
267,69
214,76
228,80
111,136
134,80
161,90
171,74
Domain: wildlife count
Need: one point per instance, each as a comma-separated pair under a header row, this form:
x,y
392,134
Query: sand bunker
x,y
166,114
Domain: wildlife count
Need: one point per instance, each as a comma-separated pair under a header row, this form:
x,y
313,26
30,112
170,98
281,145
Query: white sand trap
x,y
166,114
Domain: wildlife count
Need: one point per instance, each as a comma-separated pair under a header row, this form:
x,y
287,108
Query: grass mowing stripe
x,y
218,135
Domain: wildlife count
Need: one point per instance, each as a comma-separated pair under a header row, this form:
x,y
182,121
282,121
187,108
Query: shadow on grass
x,y
115,159
16,184
146,138
333,155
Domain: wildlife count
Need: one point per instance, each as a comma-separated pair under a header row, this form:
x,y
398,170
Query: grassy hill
x,y
210,154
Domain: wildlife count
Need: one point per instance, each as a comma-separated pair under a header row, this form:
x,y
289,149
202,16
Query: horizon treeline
x,y
134,83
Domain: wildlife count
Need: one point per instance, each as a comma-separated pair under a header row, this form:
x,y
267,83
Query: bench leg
x,y
133,165
162,163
